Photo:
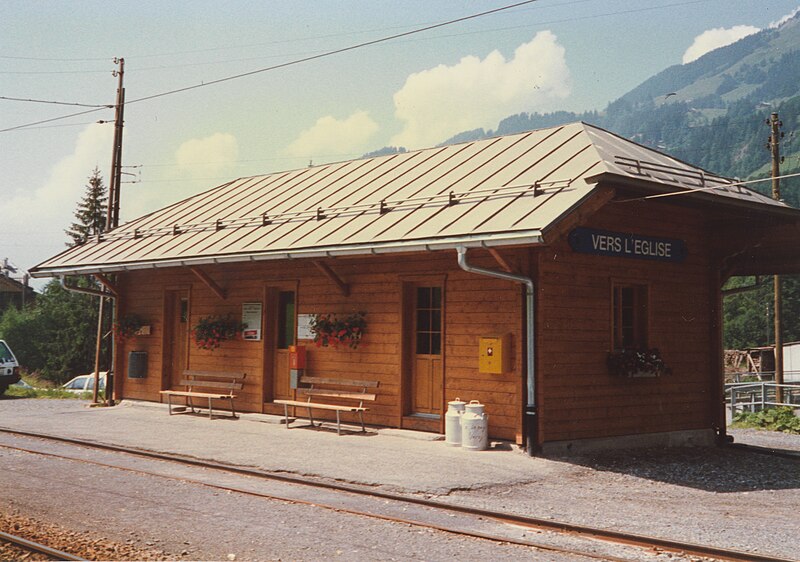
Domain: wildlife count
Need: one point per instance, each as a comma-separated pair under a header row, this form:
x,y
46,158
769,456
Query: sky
x,y
414,91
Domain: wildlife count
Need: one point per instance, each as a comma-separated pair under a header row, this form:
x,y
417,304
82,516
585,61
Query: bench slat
x,y
337,394
301,404
213,374
197,394
213,384
339,382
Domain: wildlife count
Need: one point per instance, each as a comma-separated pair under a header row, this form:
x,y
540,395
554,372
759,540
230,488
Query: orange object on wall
x,y
297,357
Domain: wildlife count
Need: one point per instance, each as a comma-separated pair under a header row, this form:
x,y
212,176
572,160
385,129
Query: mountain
x,y
711,113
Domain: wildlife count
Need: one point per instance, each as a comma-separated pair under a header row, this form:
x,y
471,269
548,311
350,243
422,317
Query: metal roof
x,y
499,191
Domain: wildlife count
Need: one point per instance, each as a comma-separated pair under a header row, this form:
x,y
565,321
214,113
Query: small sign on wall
x,y
251,318
304,326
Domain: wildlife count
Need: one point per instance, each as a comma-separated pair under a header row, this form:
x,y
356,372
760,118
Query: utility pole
x,y
112,221
774,146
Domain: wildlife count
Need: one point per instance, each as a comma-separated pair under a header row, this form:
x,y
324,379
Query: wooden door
x,y
176,337
426,360
285,333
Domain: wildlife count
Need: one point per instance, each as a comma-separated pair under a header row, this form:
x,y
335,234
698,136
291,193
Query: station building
x,y
519,271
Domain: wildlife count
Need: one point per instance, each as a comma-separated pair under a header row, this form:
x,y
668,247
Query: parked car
x,y
85,383
9,367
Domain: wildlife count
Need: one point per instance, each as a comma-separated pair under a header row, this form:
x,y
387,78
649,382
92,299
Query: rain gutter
x,y
526,237
84,290
531,419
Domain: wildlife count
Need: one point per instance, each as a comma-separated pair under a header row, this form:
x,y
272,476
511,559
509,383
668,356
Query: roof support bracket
x,y
105,282
498,257
344,288
209,282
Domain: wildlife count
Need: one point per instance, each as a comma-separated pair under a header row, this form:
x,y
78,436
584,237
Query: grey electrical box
x,y
137,364
294,378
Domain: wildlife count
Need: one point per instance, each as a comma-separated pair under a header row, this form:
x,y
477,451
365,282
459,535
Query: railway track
x,y
458,520
37,548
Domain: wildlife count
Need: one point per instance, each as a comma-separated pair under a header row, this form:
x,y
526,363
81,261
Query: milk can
x,y
452,422
474,427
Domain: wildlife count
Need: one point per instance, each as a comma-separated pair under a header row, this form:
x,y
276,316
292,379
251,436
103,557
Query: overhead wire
x,y
293,62
8,98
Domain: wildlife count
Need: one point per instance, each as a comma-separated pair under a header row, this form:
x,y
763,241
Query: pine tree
x,y
91,211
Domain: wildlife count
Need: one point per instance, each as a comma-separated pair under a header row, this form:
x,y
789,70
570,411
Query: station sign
x,y
624,245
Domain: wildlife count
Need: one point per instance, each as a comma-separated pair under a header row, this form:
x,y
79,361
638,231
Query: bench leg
x,y
361,416
209,408
169,403
311,417
286,414
338,423
233,411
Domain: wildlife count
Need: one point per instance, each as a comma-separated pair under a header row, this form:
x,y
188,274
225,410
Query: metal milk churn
x,y
452,422
474,427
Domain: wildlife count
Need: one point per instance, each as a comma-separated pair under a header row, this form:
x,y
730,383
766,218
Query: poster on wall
x,y
251,319
304,327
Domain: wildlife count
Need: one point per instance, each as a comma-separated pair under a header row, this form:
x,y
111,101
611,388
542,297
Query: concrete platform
x,y
395,459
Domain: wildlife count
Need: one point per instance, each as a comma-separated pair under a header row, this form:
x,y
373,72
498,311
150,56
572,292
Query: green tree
x,y
91,212
56,337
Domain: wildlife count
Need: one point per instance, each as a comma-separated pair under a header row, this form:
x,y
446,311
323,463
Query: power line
x,y
296,61
54,102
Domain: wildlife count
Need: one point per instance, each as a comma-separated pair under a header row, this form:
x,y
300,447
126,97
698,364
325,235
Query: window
x,y
630,310
286,330
429,320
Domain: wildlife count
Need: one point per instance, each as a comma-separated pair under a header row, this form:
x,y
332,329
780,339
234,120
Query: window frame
x,y
640,308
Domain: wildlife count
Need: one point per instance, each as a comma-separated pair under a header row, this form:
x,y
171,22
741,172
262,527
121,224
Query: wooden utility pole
x,y
774,146
112,221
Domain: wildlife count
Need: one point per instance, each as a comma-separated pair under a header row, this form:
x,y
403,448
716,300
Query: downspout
x,y
531,422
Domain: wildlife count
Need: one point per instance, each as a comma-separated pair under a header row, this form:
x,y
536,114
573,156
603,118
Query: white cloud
x,y
331,136
784,19
209,155
51,206
439,102
716,38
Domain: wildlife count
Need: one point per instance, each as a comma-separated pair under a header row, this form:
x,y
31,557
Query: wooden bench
x,y
338,390
212,383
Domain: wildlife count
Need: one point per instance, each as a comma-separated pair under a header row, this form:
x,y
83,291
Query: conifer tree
x,y
91,212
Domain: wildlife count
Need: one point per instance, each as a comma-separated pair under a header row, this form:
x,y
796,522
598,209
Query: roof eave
x,y
703,197
490,240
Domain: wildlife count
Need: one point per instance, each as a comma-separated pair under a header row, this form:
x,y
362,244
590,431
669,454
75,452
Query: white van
x,y
9,367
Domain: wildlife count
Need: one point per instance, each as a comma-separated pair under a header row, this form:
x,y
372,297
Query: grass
x,y
51,393
44,389
774,419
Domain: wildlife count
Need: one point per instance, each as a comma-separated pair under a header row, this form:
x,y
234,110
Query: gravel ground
x,y
770,439
80,544
724,497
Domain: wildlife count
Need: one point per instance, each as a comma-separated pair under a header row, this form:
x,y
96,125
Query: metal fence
x,y
756,396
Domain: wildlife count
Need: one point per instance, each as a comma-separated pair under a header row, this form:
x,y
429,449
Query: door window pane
x,y
286,331
429,321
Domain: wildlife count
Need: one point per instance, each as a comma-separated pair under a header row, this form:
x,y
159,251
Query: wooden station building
x,y
547,250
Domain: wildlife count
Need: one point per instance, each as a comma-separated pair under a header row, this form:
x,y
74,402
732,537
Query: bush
x,y
774,419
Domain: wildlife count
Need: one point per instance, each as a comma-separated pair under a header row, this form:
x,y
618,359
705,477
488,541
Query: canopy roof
x,y
500,191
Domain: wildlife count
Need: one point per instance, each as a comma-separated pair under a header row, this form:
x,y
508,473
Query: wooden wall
x,y
577,397
473,306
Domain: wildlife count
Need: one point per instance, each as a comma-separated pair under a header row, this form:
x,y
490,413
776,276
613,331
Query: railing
x,y
755,396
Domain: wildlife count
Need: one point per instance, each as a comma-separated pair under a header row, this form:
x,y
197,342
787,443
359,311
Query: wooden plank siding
x,y
474,306
577,397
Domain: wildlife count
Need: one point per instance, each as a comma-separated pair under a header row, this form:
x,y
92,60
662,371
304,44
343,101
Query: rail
x,y
755,396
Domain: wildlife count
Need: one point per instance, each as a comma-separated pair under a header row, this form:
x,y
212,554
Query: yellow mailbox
x,y
494,354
